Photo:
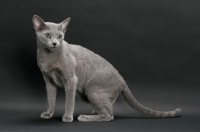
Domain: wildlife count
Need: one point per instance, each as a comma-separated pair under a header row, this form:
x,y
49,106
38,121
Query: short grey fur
x,y
81,71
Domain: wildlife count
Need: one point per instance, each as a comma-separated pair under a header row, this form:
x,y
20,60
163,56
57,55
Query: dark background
x,y
155,45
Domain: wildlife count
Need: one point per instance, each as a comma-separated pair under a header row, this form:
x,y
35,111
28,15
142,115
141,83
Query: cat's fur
x,y
79,70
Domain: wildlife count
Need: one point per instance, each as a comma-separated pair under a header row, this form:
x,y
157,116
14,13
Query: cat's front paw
x,y
67,119
46,115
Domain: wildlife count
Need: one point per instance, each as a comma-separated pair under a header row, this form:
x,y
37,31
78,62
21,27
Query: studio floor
x,y
29,121
24,115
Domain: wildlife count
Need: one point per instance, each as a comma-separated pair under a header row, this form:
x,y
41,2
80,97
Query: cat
x,y
81,71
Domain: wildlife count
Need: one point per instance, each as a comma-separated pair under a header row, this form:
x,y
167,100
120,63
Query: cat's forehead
x,y
53,27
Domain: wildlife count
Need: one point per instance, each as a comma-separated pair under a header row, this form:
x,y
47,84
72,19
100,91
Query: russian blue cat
x,y
80,71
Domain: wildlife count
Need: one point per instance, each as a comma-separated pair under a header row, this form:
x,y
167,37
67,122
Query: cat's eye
x,y
47,35
59,37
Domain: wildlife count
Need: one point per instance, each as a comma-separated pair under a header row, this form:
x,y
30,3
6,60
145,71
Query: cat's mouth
x,y
52,48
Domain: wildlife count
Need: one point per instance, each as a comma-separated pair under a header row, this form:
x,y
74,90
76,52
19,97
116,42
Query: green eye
x,y
47,35
59,37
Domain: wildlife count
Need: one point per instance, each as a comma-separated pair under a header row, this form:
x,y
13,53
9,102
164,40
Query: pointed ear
x,y
38,23
63,25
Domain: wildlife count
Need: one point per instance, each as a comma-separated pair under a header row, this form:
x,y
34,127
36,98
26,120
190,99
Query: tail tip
x,y
178,110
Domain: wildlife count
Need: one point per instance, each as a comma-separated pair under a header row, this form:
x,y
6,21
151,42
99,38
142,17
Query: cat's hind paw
x,y
82,118
46,115
94,112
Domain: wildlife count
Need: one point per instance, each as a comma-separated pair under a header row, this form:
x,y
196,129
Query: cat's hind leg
x,y
103,108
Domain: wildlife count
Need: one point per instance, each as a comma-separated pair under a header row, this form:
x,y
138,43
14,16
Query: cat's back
x,y
90,64
85,56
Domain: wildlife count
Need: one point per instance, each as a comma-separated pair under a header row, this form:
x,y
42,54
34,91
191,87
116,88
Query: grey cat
x,y
80,71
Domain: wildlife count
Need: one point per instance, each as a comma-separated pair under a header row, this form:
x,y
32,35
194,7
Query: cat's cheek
x,y
49,45
58,45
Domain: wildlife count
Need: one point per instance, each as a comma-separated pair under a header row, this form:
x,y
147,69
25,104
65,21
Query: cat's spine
x,y
147,111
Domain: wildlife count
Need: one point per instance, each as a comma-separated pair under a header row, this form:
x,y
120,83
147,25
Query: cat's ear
x,y
38,23
63,25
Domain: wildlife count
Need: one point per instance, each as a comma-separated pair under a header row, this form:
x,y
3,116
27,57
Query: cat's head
x,y
49,35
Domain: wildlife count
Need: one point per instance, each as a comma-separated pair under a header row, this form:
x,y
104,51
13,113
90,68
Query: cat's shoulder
x,y
75,47
79,49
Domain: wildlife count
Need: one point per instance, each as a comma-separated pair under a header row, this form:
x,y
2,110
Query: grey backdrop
x,y
155,45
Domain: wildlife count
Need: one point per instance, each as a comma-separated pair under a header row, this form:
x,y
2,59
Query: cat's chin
x,y
52,48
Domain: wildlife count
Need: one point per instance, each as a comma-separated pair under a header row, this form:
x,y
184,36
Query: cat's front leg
x,y
51,98
70,92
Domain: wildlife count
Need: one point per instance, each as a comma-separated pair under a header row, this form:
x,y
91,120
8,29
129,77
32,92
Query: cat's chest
x,y
47,63
51,68
47,66
54,77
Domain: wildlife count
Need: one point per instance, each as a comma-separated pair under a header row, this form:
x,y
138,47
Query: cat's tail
x,y
140,108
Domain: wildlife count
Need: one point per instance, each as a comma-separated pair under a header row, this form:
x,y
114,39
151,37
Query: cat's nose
x,y
54,44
